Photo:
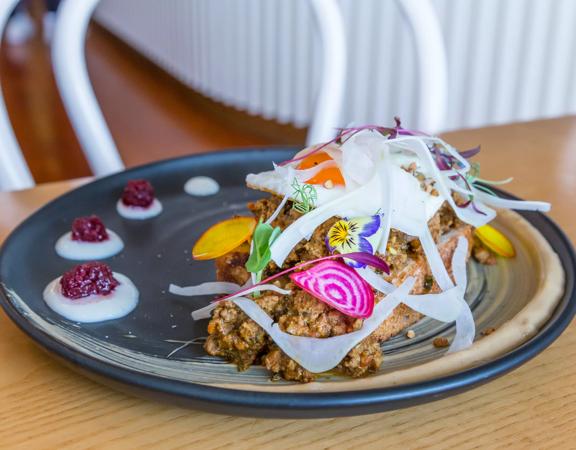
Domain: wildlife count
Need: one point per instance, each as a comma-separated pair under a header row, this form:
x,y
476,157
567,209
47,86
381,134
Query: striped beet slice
x,y
339,286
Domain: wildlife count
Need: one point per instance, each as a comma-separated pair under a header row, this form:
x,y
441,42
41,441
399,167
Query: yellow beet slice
x,y
223,237
495,241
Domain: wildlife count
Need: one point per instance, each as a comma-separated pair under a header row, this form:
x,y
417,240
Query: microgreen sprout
x,y
473,178
304,196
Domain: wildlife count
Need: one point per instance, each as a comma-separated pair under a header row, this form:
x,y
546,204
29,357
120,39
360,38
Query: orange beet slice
x,y
329,174
223,237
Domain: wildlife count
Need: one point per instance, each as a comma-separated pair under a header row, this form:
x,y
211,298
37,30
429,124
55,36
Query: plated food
x,y
360,238
520,304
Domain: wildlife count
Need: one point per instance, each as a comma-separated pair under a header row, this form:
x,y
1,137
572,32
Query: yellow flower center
x,y
341,234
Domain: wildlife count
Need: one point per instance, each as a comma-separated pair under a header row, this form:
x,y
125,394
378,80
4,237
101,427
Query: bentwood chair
x,y
72,77
69,64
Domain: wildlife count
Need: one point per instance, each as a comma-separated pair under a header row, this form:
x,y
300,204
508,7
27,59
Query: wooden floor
x,y
150,116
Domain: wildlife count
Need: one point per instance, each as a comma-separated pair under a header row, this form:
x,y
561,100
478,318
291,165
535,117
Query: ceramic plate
x,y
132,353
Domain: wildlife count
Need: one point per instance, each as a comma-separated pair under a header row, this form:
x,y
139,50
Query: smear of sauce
x,y
201,186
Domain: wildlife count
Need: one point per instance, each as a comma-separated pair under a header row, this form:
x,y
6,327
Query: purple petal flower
x,y
371,226
359,234
363,246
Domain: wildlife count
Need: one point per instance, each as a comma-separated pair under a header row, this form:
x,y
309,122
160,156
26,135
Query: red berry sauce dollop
x,y
138,193
93,278
89,229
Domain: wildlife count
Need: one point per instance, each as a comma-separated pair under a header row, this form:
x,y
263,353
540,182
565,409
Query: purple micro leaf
x,y
477,210
442,161
369,260
470,153
346,133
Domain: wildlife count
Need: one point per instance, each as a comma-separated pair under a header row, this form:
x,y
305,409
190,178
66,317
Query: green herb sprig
x,y
473,178
304,197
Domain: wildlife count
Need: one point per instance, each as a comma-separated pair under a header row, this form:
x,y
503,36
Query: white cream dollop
x,y
94,308
137,212
201,186
67,248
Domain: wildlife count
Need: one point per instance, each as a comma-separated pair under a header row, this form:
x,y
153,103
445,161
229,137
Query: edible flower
x,y
495,241
338,286
223,237
360,234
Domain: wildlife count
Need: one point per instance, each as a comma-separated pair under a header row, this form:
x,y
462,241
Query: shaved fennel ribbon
x,y
468,214
444,306
368,191
447,306
275,214
208,288
465,327
321,354
219,288
305,225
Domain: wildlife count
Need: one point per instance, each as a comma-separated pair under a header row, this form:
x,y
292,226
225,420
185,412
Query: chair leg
x,y
69,63
432,63
328,109
14,172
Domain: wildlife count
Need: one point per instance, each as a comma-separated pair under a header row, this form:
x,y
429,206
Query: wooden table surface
x,y
45,405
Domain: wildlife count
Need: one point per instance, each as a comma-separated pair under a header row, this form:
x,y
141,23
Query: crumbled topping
x,y
426,183
488,331
441,342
